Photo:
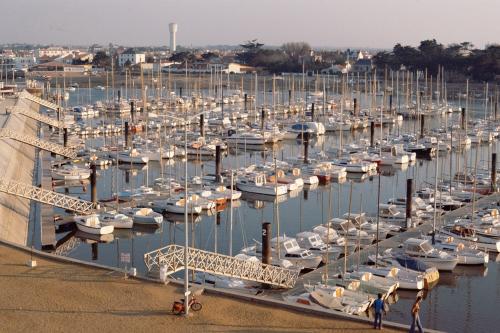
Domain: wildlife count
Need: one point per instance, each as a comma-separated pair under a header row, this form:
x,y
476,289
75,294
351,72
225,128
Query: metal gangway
x,y
45,196
40,101
172,256
37,116
36,142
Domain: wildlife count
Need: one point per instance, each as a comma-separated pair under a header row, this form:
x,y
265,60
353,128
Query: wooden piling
x,y
93,183
409,193
493,172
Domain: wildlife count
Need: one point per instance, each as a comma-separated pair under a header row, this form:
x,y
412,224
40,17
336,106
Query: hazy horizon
x,y
321,23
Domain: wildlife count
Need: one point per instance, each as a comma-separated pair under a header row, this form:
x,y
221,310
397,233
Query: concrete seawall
x,y
17,162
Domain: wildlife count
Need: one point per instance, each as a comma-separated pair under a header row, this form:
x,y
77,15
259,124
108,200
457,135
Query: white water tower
x,y
173,30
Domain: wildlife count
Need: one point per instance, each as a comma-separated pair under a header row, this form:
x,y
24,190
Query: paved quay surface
x,y
61,297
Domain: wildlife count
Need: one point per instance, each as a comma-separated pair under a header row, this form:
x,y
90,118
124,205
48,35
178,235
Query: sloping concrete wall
x,y
17,161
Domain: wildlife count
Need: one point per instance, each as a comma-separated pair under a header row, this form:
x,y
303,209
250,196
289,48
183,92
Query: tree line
x,y
461,59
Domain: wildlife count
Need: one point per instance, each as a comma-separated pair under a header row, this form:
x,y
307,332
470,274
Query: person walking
x,y
415,309
378,305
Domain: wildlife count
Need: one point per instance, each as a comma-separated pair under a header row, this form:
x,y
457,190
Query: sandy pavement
x,y
63,297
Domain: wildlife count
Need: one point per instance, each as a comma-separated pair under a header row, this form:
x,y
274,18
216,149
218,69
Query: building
x,y
131,57
24,62
235,68
57,66
51,52
172,27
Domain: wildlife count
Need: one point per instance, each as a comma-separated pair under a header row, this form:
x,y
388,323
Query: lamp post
x,y
186,229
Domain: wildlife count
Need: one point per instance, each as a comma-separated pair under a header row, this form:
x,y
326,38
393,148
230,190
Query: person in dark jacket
x,y
378,306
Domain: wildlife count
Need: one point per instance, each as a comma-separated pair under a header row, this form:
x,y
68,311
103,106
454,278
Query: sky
x,y
321,23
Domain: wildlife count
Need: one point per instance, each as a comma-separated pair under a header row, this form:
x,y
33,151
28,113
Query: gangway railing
x,y
36,142
172,257
45,196
37,116
38,100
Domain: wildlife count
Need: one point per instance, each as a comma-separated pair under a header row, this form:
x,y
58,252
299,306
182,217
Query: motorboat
x,y
334,297
354,235
257,184
91,224
70,173
466,254
311,127
227,193
407,265
467,233
143,216
406,279
289,250
117,220
424,251
296,173
313,242
390,213
292,183
362,223
245,138
330,236
158,154
176,205
133,156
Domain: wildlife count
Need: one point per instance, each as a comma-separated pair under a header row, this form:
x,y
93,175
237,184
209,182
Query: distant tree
x,y
101,59
250,50
296,51
405,55
486,63
183,57
462,59
209,55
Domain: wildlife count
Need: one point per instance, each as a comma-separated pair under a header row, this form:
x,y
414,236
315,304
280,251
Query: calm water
x,y
463,300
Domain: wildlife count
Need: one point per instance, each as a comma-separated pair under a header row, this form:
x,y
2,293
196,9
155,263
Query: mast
x,y
347,230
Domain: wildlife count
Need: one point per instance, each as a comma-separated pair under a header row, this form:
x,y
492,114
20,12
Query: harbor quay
x,y
289,208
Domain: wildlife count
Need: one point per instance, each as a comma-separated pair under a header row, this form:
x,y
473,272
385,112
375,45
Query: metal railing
x,y
49,105
172,257
45,196
36,142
